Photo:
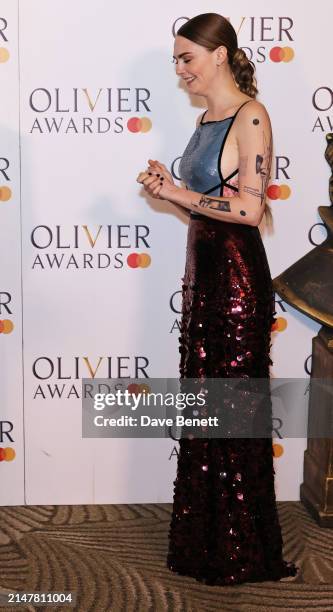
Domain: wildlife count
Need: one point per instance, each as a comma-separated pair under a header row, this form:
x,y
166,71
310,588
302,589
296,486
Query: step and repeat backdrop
x,y
91,269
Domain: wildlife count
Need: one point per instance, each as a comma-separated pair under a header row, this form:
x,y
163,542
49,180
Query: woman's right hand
x,y
156,166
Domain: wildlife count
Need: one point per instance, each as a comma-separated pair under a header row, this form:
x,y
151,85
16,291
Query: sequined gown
x,y
224,527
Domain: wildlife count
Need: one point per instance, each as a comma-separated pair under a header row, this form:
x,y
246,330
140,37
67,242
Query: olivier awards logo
x,y
175,305
308,365
317,233
269,38
6,325
4,53
322,102
7,453
5,191
84,111
280,173
281,322
80,247
60,377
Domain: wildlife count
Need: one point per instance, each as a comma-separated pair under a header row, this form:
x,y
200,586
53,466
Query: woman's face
x,y
195,64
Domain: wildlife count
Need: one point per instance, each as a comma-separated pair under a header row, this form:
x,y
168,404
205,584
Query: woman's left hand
x,y
156,183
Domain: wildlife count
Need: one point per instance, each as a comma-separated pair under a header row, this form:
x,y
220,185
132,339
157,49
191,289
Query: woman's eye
x,y
174,61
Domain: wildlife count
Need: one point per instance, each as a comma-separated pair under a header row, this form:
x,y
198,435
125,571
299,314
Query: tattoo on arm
x,y
252,191
263,166
224,205
206,202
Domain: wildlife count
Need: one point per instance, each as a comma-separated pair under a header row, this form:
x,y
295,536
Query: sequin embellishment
x,y
224,527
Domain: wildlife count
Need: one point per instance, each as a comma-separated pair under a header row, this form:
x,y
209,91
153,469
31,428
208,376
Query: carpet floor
x,y
113,558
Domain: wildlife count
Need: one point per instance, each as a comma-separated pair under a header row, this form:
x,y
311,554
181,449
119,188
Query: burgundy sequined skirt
x,y
224,527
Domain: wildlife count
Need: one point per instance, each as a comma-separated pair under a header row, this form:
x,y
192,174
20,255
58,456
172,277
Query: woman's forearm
x,y
232,210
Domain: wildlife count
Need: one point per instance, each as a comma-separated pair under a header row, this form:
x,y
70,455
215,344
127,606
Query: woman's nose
x,y
179,69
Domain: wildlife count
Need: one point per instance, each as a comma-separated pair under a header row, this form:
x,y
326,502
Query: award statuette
x,y
307,285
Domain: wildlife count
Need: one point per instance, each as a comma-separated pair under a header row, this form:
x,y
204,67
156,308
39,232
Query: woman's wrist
x,y
182,197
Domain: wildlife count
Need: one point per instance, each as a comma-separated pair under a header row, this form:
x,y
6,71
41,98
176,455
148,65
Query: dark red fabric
x,y
224,528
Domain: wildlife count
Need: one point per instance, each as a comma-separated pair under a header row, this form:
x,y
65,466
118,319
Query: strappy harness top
x,y
200,166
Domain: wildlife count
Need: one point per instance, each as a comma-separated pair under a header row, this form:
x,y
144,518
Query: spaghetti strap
x,y
241,106
225,118
202,116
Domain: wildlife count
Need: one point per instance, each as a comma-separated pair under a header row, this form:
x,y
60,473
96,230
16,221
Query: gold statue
x,y
308,284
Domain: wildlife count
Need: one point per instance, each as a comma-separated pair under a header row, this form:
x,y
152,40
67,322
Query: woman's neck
x,y
223,97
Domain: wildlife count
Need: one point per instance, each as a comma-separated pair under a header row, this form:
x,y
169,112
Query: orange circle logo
x,y
5,194
279,325
144,388
281,54
4,55
138,260
277,450
7,454
278,192
139,124
135,388
6,326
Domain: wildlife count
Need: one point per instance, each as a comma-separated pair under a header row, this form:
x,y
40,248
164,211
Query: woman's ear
x,y
221,54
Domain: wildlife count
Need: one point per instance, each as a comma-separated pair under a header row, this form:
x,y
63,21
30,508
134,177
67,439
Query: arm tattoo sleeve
x,y
252,191
263,166
206,202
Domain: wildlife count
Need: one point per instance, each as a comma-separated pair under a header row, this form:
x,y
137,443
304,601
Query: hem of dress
x,y
287,569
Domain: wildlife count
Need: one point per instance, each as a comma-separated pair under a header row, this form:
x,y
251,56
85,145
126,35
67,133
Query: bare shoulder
x,y
252,122
254,111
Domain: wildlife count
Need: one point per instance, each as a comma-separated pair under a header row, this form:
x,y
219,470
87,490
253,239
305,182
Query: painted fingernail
x,y
162,178
161,182
150,173
157,175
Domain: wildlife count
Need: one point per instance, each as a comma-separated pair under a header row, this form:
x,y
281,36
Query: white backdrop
x,y
72,75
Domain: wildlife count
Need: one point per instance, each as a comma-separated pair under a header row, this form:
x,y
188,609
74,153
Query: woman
x,y
224,528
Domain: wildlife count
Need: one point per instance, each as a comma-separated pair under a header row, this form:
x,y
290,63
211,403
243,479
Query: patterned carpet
x,y
113,557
